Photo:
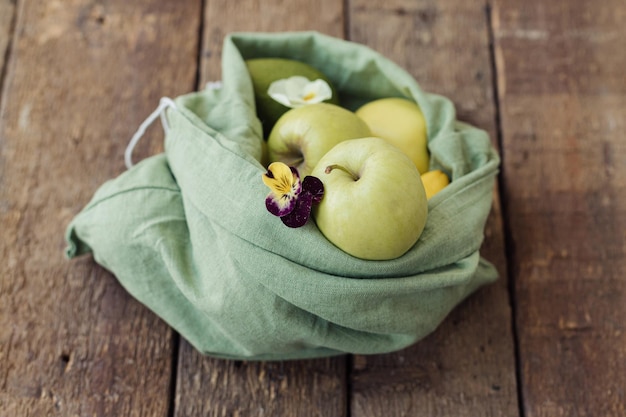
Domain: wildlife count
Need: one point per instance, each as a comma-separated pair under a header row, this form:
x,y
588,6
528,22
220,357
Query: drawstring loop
x,y
164,103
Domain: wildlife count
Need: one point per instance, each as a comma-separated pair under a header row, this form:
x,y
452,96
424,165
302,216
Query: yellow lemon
x,y
434,181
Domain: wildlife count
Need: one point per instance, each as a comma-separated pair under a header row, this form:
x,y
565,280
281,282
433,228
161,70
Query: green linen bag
x,y
187,233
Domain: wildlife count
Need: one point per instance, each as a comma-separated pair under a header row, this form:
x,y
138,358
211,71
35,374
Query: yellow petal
x,y
279,178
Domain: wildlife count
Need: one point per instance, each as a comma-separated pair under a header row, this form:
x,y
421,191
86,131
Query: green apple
x,y
303,135
264,71
374,204
401,122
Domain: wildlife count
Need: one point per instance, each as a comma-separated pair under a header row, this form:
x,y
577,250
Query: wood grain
x,y
79,76
212,387
222,17
563,108
467,367
7,15
82,76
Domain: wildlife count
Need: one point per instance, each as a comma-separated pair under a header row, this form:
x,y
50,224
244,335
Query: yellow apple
x,y
434,181
400,122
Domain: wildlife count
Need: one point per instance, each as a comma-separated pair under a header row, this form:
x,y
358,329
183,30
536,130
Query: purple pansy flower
x,y
289,198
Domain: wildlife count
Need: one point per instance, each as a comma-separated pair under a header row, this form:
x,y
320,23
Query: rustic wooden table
x,y
547,80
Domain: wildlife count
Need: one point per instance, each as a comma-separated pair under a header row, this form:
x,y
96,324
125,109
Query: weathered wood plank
x,y
467,367
212,387
82,77
563,107
223,17
7,13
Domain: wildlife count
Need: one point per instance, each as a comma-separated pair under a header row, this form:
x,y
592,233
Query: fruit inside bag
x,y
187,232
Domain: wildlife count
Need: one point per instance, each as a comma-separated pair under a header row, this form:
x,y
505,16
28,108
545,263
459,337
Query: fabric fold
x,y
187,234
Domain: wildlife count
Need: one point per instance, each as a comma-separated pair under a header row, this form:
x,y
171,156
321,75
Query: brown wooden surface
x,y
7,13
467,367
545,79
300,388
81,77
563,112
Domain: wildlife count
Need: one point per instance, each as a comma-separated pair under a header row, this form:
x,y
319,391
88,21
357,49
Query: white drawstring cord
x,y
160,111
213,85
164,103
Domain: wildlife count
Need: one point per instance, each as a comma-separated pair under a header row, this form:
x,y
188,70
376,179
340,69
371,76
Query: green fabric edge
x,y
251,154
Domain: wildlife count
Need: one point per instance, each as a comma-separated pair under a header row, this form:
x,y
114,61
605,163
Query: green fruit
x,y
303,135
374,204
264,71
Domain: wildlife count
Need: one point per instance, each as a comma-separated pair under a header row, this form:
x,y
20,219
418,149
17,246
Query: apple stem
x,y
329,168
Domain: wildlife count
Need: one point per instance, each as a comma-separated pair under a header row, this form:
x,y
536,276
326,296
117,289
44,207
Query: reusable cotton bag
x,y
187,233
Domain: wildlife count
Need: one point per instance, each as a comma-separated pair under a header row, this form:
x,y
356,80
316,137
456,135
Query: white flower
x,y
298,91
